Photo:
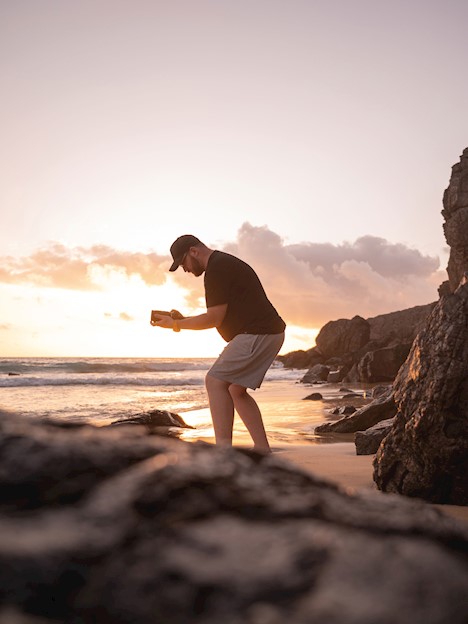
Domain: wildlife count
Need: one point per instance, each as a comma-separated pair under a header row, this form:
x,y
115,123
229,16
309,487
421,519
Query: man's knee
x,y
237,391
213,384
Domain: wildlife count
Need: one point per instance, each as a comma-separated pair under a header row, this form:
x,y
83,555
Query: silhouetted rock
x,y
344,409
196,533
301,358
343,337
319,372
426,452
399,327
367,442
315,396
379,409
335,376
455,213
359,350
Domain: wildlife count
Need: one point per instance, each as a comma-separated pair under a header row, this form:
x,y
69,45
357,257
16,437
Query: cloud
x,y
81,268
309,283
312,283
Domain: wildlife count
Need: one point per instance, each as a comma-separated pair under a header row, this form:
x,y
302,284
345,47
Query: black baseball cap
x,y
180,247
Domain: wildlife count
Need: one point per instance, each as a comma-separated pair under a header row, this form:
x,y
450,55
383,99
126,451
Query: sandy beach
x,y
331,457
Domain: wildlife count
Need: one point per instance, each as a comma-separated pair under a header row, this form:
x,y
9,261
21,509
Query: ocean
x,y
101,390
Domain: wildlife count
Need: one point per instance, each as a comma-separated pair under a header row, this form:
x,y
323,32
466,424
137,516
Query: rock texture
x,y
382,364
301,358
157,421
426,452
111,526
343,337
361,350
455,213
367,442
381,408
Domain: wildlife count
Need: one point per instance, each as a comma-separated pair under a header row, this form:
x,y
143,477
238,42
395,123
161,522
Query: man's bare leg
x,y
248,410
222,409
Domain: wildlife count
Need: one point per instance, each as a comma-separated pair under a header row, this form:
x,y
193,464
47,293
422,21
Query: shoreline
x,y
331,457
340,464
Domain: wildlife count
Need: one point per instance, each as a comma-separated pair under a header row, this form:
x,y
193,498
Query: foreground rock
x,y
426,452
381,408
159,530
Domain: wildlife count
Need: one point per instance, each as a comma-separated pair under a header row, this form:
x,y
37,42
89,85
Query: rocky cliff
x,y
425,454
358,349
455,213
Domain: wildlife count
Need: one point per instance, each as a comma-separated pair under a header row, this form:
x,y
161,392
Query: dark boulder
x,y
382,364
301,358
343,337
319,372
426,452
367,442
379,409
155,421
315,396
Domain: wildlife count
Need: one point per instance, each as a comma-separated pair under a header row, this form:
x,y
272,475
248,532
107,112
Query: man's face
x,y
190,264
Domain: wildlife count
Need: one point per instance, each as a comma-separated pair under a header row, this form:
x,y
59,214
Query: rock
x,y
315,396
426,453
367,442
347,409
301,359
196,533
344,409
335,376
14,616
343,337
155,421
41,463
379,390
343,343
319,372
399,327
379,409
382,364
455,213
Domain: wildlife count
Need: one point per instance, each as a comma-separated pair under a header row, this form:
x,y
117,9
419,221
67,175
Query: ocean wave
x,y
22,366
101,380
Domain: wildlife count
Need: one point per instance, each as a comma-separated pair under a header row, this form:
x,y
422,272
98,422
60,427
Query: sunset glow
x,y
312,139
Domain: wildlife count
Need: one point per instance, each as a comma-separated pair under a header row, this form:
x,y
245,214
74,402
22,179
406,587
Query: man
x,y
236,304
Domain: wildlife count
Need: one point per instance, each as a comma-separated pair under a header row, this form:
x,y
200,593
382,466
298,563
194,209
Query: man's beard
x,y
197,268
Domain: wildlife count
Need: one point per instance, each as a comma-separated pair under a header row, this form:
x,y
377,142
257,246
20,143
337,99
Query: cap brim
x,y
175,265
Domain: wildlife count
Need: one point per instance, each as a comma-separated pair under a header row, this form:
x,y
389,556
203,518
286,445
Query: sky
x,y
313,138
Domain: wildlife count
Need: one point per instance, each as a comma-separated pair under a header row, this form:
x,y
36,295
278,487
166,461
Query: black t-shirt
x,y
230,280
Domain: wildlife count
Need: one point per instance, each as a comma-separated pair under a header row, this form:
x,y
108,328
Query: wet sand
x,y
340,464
290,423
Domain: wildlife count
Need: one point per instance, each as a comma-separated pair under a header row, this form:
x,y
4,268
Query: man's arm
x,y
213,317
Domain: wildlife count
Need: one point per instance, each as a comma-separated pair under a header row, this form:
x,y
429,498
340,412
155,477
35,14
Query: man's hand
x,y
163,321
213,317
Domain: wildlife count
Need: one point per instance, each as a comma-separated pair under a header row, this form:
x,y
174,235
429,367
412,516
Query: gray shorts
x,y
246,359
